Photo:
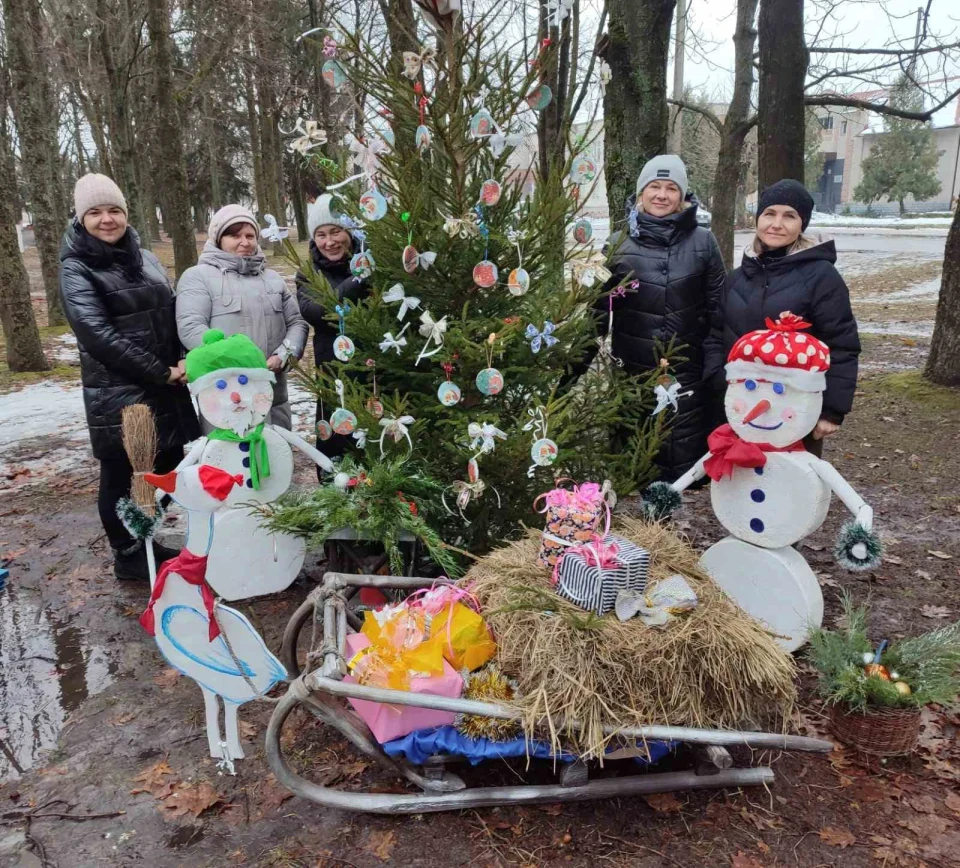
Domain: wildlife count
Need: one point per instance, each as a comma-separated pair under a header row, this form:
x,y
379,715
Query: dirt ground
x,y
113,748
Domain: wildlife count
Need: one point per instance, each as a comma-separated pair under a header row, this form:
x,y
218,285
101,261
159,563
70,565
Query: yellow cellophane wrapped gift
x,y
466,642
399,649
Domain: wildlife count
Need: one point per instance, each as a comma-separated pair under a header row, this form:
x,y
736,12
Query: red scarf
x,y
193,570
728,450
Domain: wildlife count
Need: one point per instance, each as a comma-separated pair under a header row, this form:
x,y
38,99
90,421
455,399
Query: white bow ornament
x,y
390,342
407,302
668,395
668,598
360,435
311,136
483,436
397,429
433,331
273,232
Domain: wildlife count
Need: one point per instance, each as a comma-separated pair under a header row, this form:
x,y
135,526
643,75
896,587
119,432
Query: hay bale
x,y
713,668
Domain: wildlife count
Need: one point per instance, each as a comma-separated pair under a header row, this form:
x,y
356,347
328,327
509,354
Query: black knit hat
x,y
788,192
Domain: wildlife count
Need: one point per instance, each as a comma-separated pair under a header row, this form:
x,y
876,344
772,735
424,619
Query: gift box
x,y
388,722
571,517
593,574
456,623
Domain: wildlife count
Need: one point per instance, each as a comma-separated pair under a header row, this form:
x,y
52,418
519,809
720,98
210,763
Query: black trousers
x,y
335,447
116,476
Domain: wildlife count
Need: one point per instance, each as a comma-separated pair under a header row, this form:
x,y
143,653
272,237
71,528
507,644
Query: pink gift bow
x,y
449,595
586,496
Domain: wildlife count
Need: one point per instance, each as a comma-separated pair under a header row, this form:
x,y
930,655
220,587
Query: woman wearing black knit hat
x,y
785,270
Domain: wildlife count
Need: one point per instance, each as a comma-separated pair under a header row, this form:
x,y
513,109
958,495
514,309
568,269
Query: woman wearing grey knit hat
x,y
120,305
675,275
231,289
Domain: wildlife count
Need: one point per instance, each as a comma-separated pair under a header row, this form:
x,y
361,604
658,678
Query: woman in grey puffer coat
x,y
232,289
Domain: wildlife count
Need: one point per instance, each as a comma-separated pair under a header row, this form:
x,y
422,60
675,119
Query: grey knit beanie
x,y
93,191
228,216
664,167
323,213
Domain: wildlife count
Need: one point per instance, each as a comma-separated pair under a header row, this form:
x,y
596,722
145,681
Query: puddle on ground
x,y
47,669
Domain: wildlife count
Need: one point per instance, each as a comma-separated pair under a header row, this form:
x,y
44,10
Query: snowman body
x,y
234,458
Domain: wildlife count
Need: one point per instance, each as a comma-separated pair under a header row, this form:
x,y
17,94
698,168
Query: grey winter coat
x,y
240,295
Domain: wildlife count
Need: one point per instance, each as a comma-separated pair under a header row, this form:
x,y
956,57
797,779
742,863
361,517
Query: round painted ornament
x,y
490,192
485,274
362,264
333,73
343,421
343,348
519,281
324,430
449,394
583,170
490,381
373,204
582,231
540,97
374,407
411,259
481,124
422,138
544,452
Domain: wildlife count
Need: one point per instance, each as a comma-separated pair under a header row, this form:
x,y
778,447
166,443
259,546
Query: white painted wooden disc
x,y
246,560
774,586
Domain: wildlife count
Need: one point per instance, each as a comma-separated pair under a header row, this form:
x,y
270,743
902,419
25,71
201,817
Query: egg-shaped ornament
x,y
343,421
485,274
583,170
582,231
333,74
481,124
449,394
411,259
490,192
373,204
902,688
867,657
518,282
489,382
473,471
422,138
375,408
544,452
324,430
343,348
362,264
540,97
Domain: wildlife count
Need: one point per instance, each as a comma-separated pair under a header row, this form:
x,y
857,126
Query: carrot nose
x,y
164,481
235,397
758,410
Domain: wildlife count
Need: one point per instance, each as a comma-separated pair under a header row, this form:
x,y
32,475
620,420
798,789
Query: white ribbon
x,y
366,156
390,342
433,331
465,227
483,436
311,136
397,429
499,141
557,10
360,435
669,395
273,232
407,302
588,273
412,62
425,260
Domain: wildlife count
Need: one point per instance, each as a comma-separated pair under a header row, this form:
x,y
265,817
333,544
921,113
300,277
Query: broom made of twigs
x,y
139,513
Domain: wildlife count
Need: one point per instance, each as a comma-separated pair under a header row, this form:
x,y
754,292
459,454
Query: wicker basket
x,y
880,732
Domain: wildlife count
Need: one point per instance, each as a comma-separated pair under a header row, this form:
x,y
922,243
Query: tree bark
x,y
401,29
635,104
735,127
253,126
37,116
943,365
783,69
169,142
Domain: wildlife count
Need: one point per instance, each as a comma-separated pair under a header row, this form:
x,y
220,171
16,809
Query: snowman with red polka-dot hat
x,y
767,490
233,386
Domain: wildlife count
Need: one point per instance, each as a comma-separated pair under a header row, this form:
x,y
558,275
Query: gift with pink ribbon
x,y
572,516
455,611
594,572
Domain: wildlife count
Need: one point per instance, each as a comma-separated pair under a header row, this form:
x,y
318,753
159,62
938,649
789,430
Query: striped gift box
x,y
596,589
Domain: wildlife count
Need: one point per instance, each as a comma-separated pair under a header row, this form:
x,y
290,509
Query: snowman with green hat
x,y
233,386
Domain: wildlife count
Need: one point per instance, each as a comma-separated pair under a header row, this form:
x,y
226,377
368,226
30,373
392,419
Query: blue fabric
x,y
418,746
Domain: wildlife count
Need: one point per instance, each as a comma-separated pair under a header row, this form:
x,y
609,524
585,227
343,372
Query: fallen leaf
x,y
841,838
272,795
922,804
123,719
743,860
763,847
663,803
154,780
952,801
890,559
167,678
939,554
942,849
923,574
248,730
926,826
935,611
554,810
381,844
194,799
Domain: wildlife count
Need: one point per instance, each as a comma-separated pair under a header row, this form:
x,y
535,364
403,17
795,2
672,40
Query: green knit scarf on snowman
x,y
259,453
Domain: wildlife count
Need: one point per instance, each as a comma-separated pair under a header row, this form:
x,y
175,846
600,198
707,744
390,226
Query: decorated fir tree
x,y
470,348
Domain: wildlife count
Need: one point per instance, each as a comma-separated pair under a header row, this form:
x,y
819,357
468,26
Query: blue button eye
x,y
243,380
778,388
750,385
221,384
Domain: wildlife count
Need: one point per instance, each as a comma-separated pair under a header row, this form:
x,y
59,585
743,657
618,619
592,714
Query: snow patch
x,y
40,410
65,351
821,218
928,290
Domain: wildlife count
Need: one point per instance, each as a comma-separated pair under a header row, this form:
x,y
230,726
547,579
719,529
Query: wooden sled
x,y
322,692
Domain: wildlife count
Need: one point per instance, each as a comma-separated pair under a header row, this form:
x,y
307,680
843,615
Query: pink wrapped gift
x,y
388,722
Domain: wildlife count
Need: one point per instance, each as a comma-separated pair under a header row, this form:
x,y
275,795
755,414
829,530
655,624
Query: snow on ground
x,y
821,218
65,351
304,407
897,328
40,410
928,290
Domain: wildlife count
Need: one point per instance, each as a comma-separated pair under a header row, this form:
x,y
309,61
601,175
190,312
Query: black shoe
x,y
132,567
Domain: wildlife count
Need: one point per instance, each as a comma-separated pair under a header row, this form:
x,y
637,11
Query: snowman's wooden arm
x,y
193,456
692,475
845,491
298,442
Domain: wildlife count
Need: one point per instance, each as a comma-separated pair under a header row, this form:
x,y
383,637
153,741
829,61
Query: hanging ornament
x,y
343,347
329,46
473,470
323,428
485,274
413,258
557,10
587,272
397,429
390,342
466,226
362,264
407,302
583,170
490,192
373,204
490,381
360,435
272,232
582,231
449,393
333,73
667,390
422,136
540,97
311,136
519,280
604,349
540,338
433,331
374,406
482,123
342,420
413,62
544,451
483,438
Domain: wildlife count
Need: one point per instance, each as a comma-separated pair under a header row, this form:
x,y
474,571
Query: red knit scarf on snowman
x,y
193,570
728,451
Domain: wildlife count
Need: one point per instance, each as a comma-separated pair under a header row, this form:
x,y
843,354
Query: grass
x,y
10,381
911,386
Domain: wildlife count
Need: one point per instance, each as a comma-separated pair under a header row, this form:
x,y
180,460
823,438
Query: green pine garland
x,y
136,521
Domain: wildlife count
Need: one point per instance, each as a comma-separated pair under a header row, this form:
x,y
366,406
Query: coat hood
x,y
79,244
825,251
661,230
245,266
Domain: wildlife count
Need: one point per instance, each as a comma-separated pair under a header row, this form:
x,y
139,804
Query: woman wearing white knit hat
x,y
121,307
232,289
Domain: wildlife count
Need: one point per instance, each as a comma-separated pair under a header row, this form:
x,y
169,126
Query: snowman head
x,y
775,382
230,378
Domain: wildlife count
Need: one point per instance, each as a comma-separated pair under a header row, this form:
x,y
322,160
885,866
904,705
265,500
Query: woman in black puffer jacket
x,y
680,275
331,248
120,305
784,270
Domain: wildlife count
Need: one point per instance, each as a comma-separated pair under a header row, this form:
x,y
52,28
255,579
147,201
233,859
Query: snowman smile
x,y
765,427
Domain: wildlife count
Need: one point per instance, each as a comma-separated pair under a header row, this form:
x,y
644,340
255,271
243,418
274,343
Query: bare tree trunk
x,y
783,69
37,115
555,73
736,125
215,194
401,28
943,366
253,126
169,142
24,351
635,104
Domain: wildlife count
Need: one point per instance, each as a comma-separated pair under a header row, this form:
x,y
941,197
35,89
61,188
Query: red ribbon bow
x,y
193,569
728,451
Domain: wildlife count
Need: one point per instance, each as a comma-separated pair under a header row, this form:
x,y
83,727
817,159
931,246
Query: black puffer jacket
x,y
120,306
681,277
343,283
805,283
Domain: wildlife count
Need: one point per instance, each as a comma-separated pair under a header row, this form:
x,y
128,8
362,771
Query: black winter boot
x,y
131,565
